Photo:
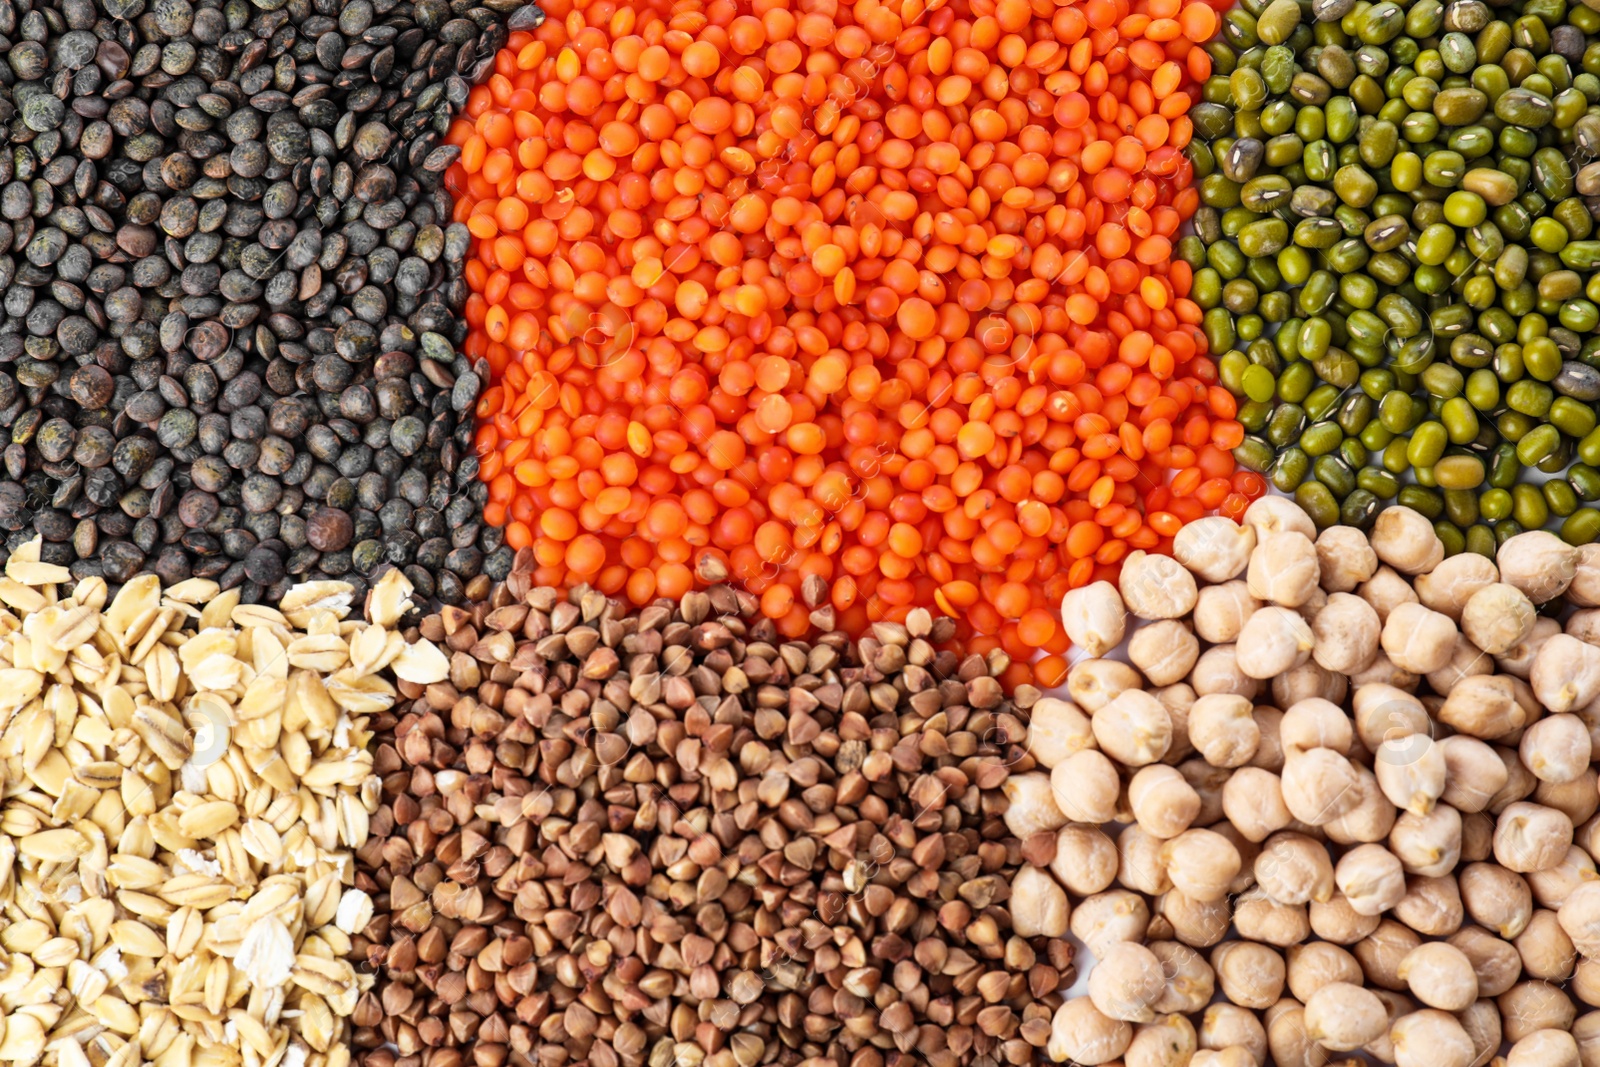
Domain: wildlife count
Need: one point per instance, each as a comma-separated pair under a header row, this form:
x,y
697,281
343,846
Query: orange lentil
x,y
880,293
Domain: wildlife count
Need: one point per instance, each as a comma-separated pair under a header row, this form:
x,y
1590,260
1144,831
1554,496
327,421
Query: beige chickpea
x,y
1534,1005
1432,906
1141,866
1447,588
1283,569
1220,611
1200,923
1580,918
1584,590
1345,558
1417,639
1345,634
1273,514
1371,819
1306,681
1317,963
1545,1048
1395,1005
1477,837
1383,670
1125,981
1056,730
1223,730
1031,808
1133,728
1038,904
1411,772
1274,640
1584,625
1539,563
1313,605
1252,800
1586,1032
1577,800
1257,917
1094,683
1565,673
1371,878
1467,660
1094,617
1287,1042
1294,869
1215,548
1115,915
1217,671
1497,899
1164,803
1483,706
1431,1038
1404,539
1269,751
1189,982
1156,587
1343,1016
1080,1033
1497,618
1481,1021
1553,885
1166,1041
1495,962
1319,785
1381,712
1556,748
1520,782
1201,863
1337,923
1546,950
1177,698
1164,651
1518,662
1429,845
1386,590
1226,1026
1585,983
1250,975
1207,781
1248,851
1440,976
1085,860
1312,724
1381,951
1085,787
1473,773
1531,837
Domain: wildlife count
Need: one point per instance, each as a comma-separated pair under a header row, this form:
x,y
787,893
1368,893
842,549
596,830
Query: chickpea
x,y
1252,800
1417,639
1223,730
1274,640
1217,671
1398,1005
1313,724
1546,950
1133,728
1343,1016
1371,878
1580,918
1207,781
1495,963
1473,773
1345,634
1156,587
1104,918
1440,976
1431,1038
1201,863
1430,844
1094,683
1125,981
1094,618
1432,906
1531,837
1248,851
1177,698
1477,837
1313,605
1382,712
1577,800
1287,1042
1584,592
1467,660
1584,625
1283,569
1385,672
1483,706
1481,1021
1038,904
1497,899
1411,772
1586,1032
1258,917
1232,1056
1316,964
1031,807
1447,588
1166,1041
1085,860
1556,748
1190,982
1385,591
1339,924
1518,662
1227,1026
1270,515
1056,730
1585,983
1215,548
1308,680
1345,558
1372,817
1545,1048
1163,802
1269,751
1553,885
1220,611
1520,782
1535,1005
1080,1033
1251,975
1319,785
1165,652
1200,923
1539,563
1085,787
1404,539
1498,618
1294,869
1381,951
1140,863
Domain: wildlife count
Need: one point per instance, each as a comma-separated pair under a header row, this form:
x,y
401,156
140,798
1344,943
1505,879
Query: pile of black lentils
x,y
231,290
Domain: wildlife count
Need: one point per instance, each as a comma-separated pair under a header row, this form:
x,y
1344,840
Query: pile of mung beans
x,y
1396,255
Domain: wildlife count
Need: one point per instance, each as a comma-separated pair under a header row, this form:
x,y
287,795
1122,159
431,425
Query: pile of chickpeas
x,y
1343,781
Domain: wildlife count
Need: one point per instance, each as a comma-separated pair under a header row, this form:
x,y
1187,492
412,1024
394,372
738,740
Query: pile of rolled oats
x,y
183,780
